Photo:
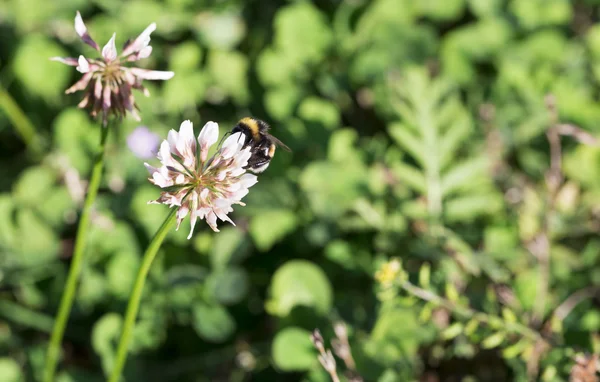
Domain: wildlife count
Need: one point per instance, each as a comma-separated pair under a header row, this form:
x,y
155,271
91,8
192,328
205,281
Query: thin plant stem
x,y
467,312
68,297
20,122
136,295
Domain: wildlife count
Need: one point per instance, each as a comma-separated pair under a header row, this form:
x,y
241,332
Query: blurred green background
x,y
418,131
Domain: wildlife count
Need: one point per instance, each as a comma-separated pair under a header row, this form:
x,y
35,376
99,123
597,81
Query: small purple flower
x,y
143,143
106,80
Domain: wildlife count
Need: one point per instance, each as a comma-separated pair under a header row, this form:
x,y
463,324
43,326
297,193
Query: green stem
x,y
136,294
467,312
66,302
20,122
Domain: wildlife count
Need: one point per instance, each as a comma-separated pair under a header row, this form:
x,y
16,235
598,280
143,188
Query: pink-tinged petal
x,y
140,42
186,144
164,154
81,84
83,66
193,217
151,169
211,219
237,172
239,195
81,30
248,180
181,214
130,78
223,216
106,101
208,136
80,27
84,102
232,145
234,187
98,88
66,60
146,74
145,53
172,138
241,159
109,52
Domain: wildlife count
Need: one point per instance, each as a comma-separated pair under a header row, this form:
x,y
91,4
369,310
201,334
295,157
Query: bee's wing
x,y
279,143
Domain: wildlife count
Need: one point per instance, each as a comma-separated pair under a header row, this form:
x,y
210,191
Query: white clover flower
x,y
203,188
107,82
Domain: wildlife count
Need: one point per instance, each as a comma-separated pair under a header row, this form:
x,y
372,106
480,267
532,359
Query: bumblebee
x,y
262,144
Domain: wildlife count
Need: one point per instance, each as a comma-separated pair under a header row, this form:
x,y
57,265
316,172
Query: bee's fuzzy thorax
x,y
252,125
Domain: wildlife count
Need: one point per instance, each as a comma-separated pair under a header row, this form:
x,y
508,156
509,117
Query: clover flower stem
x,y
21,123
136,294
68,297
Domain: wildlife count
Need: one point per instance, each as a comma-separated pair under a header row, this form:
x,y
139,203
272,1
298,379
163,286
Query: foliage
x,y
421,131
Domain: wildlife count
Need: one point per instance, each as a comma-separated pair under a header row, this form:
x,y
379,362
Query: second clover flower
x,y
202,187
107,81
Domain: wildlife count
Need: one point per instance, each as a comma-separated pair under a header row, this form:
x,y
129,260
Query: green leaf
x,y
185,57
331,188
33,185
452,292
408,141
269,227
462,174
484,8
468,207
493,341
46,244
92,289
220,30
302,32
281,102
10,370
229,71
442,9
105,335
341,253
185,90
76,137
33,68
318,110
293,350
213,322
537,13
342,146
452,140
274,69
121,271
229,247
228,286
411,176
425,275
390,341
299,282
452,331
526,287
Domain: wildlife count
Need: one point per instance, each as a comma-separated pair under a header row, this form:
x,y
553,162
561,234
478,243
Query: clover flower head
x,y
106,80
202,187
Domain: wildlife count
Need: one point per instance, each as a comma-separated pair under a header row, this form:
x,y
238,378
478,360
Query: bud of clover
x,y
107,82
